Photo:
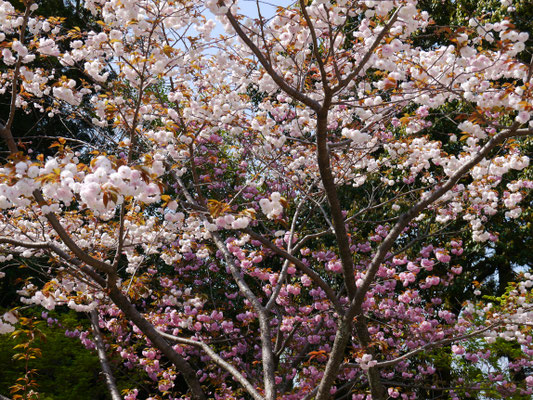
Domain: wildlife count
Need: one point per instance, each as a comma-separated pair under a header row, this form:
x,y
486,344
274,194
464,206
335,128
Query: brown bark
x,y
129,310
104,362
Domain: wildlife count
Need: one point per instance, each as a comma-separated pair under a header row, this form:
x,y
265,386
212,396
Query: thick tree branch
x,y
326,174
336,356
104,362
189,374
388,242
267,353
131,313
421,205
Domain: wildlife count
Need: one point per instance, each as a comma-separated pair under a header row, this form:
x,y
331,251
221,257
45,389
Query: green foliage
x,y
65,370
457,13
36,129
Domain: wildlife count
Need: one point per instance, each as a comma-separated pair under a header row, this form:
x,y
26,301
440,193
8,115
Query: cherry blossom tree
x,y
278,212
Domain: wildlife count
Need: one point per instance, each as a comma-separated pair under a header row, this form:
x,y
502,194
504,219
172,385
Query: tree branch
x,y
301,266
324,165
295,94
316,52
104,362
189,374
267,353
368,54
240,378
5,131
440,343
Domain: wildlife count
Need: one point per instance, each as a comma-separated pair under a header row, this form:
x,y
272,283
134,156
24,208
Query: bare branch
x,y
295,94
301,266
240,378
104,362
316,51
440,343
368,54
284,270
189,374
423,204
5,131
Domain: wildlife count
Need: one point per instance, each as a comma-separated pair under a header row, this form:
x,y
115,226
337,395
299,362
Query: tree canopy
x,y
328,200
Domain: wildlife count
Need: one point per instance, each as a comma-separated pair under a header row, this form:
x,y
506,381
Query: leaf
x,y
15,389
168,50
249,212
390,83
217,208
106,198
317,353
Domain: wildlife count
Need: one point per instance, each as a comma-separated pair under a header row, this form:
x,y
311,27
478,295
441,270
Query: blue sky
x,y
249,9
